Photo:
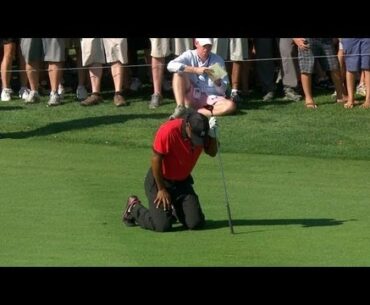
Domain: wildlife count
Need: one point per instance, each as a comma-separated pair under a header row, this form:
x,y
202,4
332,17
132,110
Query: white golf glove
x,y
212,132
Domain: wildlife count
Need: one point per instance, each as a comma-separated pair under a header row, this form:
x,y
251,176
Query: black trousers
x,y
185,204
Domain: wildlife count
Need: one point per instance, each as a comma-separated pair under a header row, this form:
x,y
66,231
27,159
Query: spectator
x,y
82,73
289,69
160,49
193,86
265,66
308,48
133,81
357,59
236,50
96,52
9,47
36,50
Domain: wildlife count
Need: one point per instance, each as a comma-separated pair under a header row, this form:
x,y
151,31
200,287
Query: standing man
x,y
37,50
95,53
9,45
177,146
308,49
357,59
160,49
289,69
236,51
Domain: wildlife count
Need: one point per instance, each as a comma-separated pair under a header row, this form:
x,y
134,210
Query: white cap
x,y
204,41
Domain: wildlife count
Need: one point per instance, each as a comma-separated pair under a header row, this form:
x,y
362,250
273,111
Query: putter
x,y
210,108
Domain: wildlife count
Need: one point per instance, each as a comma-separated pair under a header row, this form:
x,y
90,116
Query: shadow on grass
x,y
58,127
143,94
261,104
255,101
304,222
10,108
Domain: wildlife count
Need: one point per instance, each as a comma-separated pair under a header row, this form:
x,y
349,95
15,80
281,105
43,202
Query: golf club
x,y
210,108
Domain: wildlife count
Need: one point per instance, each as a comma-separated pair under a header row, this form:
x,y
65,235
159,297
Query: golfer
x,y
177,146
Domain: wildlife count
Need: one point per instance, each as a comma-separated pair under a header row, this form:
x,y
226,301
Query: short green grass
x,y
296,180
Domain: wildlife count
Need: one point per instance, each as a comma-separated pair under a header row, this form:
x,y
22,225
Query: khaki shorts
x,y
163,47
160,47
180,45
103,50
238,48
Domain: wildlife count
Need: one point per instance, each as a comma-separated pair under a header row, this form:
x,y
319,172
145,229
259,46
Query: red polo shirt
x,y
179,156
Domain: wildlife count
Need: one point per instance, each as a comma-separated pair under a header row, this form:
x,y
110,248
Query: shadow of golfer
x,y
304,222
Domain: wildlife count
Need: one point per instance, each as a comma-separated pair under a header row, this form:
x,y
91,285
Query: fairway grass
x,y
61,205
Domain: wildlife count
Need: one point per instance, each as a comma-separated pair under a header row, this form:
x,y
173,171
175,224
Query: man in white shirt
x,y
195,83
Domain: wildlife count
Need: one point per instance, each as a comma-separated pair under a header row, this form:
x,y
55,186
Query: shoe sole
x,y
121,104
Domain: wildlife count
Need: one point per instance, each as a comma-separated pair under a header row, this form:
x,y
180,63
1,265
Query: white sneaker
x,y
81,93
54,99
23,93
361,89
61,91
268,96
33,97
6,94
180,111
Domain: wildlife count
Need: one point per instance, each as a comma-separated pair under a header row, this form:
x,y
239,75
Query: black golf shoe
x,y
127,218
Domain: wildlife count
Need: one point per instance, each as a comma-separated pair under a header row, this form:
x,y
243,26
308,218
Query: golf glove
x,y
212,132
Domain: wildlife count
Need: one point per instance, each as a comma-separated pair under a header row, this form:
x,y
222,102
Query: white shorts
x,y
199,99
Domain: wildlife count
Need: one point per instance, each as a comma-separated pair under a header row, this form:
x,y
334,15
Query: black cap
x,y
199,127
